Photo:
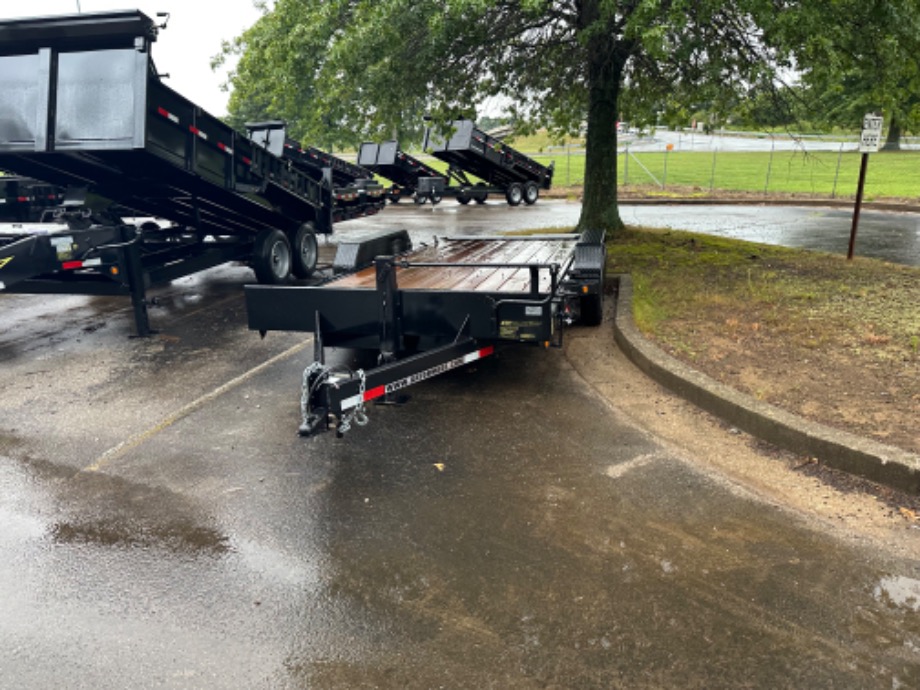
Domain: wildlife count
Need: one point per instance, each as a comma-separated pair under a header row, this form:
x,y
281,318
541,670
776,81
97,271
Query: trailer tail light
x,y
584,289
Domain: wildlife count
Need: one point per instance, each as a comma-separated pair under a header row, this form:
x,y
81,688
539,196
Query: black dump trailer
x,y
83,108
470,151
387,160
24,200
431,310
355,190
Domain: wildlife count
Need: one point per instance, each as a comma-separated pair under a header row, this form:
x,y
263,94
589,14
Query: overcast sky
x,y
184,50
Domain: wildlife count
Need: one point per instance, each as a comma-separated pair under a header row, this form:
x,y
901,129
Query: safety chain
x,y
357,415
321,372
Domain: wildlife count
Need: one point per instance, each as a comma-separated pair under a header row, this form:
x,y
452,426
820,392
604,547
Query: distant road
x,y
883,235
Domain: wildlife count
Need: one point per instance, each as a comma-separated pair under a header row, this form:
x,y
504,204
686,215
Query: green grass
x,y
806,297
889,175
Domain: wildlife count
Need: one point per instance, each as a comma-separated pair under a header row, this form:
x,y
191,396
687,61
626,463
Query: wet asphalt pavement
x,y
162,525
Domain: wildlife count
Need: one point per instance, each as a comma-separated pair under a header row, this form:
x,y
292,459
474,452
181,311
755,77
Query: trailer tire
x,y
305,251
480,193
464,197
514,194
531,193
419,199
271,257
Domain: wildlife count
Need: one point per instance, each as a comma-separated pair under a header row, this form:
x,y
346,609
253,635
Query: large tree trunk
x,y
893,141
606,58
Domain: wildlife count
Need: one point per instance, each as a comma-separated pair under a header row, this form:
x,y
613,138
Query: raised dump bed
x,y
83,108
387,160
83,105
355,190
470,151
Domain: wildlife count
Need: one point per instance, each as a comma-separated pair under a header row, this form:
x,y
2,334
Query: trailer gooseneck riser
x,y
430,311
84,108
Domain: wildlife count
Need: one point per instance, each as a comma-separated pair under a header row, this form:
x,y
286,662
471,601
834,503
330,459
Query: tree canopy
x,y
344,70
858,56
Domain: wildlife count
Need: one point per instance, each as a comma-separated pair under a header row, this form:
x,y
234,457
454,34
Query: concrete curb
x,y
875,461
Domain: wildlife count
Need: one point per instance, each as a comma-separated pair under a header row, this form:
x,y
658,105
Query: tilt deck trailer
x,y
432,310
83,108
502,169
405,171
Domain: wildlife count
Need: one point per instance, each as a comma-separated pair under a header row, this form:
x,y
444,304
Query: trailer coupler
x,y
335,397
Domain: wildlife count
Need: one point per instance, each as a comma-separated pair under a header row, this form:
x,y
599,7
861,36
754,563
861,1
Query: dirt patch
x,y
835,501
835,342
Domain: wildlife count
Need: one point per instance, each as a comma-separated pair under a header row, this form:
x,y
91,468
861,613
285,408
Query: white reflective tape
x,y
351,402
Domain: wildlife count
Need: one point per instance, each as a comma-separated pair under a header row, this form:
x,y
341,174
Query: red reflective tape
x,y
247,161
70,265
486,351
373,393
165,113
223,147
195,130
23,199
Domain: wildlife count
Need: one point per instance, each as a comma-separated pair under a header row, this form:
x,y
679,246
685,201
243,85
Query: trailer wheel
x,y
464,197
514,194
271,257
419,199
480,193
531,193
305,251
435,198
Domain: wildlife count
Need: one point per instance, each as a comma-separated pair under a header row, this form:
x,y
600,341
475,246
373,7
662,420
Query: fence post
x,y
837,173
712,174
626,168
568,164
664,177
766,185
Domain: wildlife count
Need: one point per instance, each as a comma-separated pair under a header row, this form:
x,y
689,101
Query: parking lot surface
x,y
545,519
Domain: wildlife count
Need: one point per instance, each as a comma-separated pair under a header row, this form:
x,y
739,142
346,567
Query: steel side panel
x,y
351,313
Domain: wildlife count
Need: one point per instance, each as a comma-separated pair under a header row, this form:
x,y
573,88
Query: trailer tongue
x,y
430,311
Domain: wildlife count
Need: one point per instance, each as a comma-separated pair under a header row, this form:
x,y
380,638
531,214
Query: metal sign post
x,y
870,140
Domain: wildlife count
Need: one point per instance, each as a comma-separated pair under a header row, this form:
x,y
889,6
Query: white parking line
x,y
112,454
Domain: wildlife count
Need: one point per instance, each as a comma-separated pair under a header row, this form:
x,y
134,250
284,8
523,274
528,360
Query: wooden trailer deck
x,y
444,268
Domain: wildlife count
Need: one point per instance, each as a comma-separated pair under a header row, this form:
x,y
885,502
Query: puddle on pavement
x,y
101,510
899,591
176,536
